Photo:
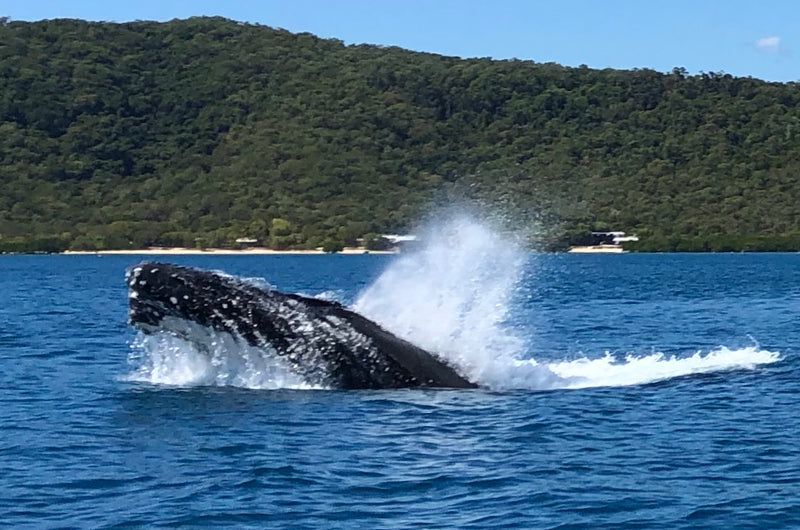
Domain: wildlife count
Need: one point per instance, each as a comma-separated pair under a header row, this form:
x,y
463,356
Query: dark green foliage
x,y
718,243
332,246
33,244
377,242
197,132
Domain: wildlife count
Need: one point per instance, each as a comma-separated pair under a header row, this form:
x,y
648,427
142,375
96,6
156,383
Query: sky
x,y
744,38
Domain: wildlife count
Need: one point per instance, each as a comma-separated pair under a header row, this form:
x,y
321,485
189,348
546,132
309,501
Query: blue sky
x,y
744,38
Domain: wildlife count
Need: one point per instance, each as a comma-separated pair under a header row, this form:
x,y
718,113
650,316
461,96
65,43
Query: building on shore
x,y
246,242
604,243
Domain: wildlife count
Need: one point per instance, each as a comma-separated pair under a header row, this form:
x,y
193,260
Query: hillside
x,y
199,131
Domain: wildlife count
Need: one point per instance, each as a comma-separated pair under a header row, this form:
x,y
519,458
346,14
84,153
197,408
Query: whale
x,y
322,341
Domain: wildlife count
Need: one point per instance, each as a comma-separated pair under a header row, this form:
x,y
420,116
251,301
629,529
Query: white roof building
x,y
396,238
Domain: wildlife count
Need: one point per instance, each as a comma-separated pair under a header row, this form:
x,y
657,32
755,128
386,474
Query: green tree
x,y
146,133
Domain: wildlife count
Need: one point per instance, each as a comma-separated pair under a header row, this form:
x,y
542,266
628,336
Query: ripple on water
x,y
82,447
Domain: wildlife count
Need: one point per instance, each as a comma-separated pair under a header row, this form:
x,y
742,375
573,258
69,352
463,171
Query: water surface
x,y
618,422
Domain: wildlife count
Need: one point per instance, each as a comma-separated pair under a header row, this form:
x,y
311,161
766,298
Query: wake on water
x,y
451,297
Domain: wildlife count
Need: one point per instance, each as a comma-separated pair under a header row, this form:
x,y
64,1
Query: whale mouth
x,y
145,315
145,311
157,291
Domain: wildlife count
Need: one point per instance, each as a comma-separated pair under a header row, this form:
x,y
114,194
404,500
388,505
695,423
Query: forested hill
x,y
203,130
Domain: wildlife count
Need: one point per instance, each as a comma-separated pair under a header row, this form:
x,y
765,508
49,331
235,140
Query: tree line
x,y
198,132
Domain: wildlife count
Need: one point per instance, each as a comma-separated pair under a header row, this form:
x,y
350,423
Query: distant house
x,y
396,238
246,242
605,242
614,238
401,242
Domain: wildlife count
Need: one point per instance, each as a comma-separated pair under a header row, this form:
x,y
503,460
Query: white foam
x,y
607,371
630,370
453,295
198,356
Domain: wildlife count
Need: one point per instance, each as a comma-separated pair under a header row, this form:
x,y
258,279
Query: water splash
x,y
453,296
630,370
637,370
200,356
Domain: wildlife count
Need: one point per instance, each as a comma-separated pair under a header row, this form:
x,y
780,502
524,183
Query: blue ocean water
x,y
618,422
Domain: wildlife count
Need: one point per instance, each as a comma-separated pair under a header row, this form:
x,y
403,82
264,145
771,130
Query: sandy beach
x,y
597,249
253,251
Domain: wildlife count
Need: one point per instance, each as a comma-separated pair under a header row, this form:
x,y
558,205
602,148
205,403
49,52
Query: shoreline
x,y
252,251
596,249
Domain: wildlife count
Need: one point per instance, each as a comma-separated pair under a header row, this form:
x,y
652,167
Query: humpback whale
x,y
322,341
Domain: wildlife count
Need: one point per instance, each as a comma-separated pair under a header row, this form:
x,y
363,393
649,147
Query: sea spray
x,y
631,369
637,370
452,295
201,356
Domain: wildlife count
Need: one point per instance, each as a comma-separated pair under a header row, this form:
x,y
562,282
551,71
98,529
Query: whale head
x,y
157,291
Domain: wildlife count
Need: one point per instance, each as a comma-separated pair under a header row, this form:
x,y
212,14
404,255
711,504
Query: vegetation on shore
x,y
197,132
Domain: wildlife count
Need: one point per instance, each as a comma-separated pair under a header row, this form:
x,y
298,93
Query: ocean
x,y
617,391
